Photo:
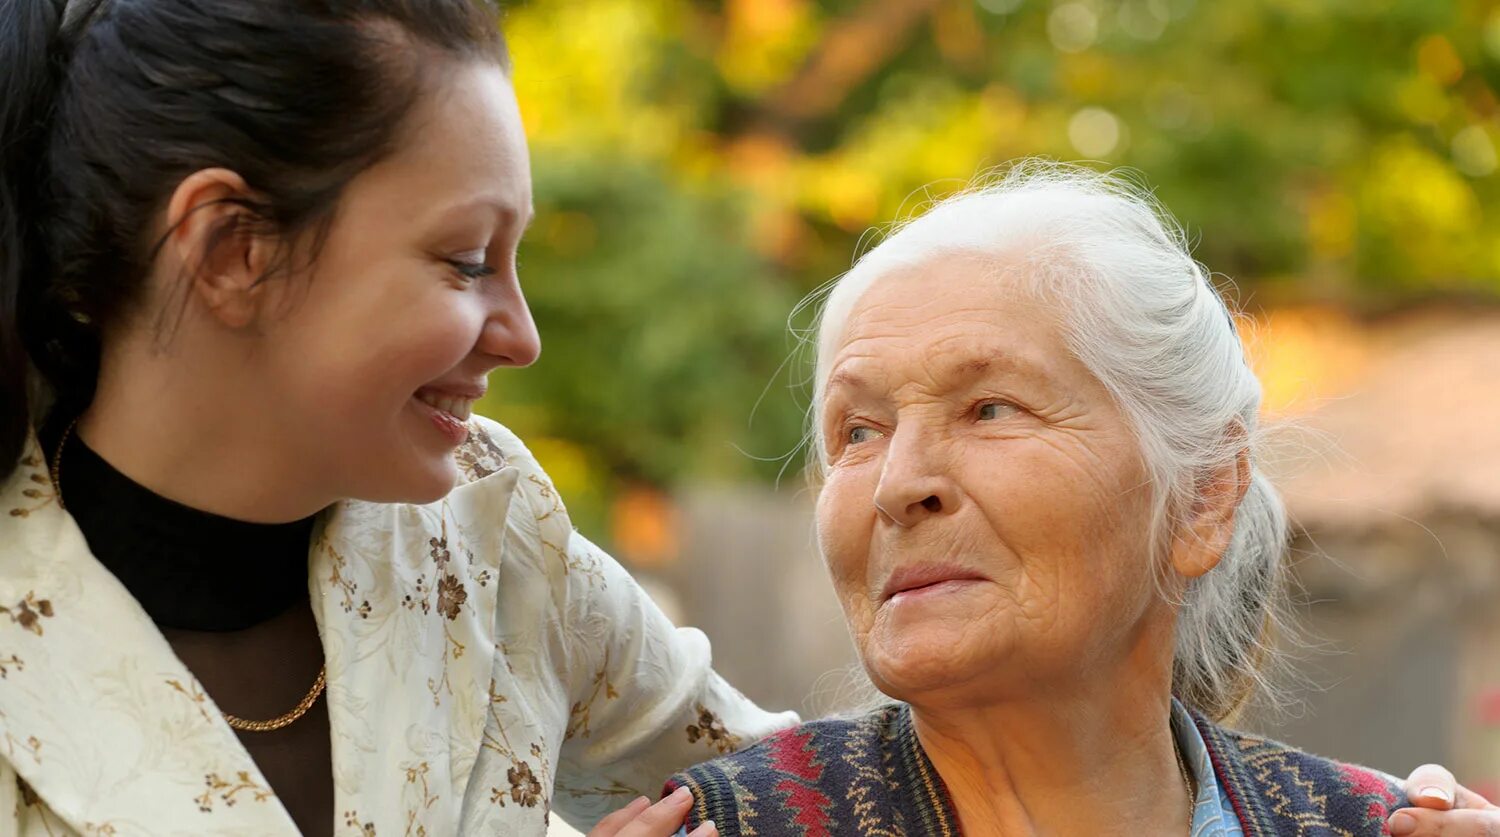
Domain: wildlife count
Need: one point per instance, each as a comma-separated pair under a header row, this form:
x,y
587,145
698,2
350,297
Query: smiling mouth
x,y
459,408
912,581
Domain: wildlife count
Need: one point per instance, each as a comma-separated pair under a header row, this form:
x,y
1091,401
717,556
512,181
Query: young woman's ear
x,y
213,245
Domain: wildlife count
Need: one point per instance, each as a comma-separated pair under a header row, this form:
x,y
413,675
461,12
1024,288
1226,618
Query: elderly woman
x,y
1045,518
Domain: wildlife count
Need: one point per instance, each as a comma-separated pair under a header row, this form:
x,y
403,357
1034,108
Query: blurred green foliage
x,y
700,166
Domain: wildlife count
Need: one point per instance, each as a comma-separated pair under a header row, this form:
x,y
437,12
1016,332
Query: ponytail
x,y
30,64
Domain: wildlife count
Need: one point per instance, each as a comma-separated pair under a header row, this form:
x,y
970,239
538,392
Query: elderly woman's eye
x,y
862,434
990,410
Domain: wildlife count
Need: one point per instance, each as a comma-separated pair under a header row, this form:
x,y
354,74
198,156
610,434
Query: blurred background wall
x,y
702,166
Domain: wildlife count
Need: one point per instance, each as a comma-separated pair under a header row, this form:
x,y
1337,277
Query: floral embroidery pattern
x,y
526,788
579,712
416,776
480,456
11,662
417,598
438,549
33,746
450,600
346,587
40,489
710,728
451,597
451,593
29,612
194,693
549,494
581,561
351,819
230,791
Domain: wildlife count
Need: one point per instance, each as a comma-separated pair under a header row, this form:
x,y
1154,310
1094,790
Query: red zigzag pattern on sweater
x,y
791,753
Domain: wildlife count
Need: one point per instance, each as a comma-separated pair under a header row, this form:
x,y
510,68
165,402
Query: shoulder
x,y
1284,790
789,778
490,448
487,459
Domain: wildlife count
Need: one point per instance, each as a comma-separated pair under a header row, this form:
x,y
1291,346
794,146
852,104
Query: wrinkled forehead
x,y
941,324
917,283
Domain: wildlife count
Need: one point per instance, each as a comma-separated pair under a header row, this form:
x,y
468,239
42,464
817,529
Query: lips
x,y
915,577
449,407
456,401
459,408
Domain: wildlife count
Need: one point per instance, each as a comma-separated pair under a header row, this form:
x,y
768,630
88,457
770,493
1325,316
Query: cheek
x,y
374,354
845,514
1072,529
1059,501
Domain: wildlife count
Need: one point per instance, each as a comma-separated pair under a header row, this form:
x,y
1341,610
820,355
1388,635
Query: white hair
x,y
1142,316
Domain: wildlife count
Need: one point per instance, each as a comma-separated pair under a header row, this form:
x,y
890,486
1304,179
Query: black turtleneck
x,y
189,569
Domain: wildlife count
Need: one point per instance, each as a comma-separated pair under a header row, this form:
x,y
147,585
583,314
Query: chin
x,y
434,481
918,661
418,483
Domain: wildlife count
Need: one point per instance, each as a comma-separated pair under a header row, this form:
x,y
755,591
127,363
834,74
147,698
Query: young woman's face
x,y
386,342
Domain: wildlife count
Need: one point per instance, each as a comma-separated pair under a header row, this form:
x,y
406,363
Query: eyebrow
x,y
845,378
973,367
970,368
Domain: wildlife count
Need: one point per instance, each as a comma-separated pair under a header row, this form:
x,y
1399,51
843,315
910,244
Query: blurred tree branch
x,y
854,48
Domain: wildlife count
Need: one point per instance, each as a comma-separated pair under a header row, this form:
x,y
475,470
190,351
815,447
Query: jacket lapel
x,y
406,599
97,714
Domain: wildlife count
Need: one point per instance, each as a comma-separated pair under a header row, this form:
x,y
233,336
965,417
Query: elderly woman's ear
x,y
1208,526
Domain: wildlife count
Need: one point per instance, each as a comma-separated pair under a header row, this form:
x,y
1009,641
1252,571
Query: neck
x,y
1094,759
197,445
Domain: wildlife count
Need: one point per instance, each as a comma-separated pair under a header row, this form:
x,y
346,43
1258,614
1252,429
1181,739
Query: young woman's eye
x,y
471,270
861,433
991,410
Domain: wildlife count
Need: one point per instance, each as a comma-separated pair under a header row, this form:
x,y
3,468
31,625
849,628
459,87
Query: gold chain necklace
x,y
234,721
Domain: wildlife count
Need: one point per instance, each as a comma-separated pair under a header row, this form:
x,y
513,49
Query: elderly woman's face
x,y
985,512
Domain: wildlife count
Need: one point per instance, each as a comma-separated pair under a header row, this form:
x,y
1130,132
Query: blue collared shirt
x,y
1213,815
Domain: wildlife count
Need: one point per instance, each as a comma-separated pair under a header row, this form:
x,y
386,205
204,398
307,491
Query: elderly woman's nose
x,y
913,484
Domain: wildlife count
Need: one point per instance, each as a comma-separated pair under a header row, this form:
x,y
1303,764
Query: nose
x,y
914,482
509,336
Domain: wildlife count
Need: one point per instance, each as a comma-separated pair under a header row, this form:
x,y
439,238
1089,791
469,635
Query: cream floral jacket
x,y
487,666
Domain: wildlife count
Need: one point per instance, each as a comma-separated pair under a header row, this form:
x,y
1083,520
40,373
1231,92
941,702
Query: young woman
x,y
260,254
260,569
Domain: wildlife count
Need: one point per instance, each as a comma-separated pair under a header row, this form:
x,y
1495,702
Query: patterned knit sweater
x,y
869,776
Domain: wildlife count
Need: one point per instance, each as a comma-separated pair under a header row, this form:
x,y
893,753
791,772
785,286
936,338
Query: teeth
x,y
459,408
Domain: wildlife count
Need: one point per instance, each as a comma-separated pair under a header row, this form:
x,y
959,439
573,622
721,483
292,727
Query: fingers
x,y
1423,822
665,818
611,825
1431,786
1470,799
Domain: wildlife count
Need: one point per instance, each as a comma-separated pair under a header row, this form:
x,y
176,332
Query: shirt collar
x,y
1212,815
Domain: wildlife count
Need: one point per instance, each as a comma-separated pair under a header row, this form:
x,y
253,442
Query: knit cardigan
x,y
869,776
